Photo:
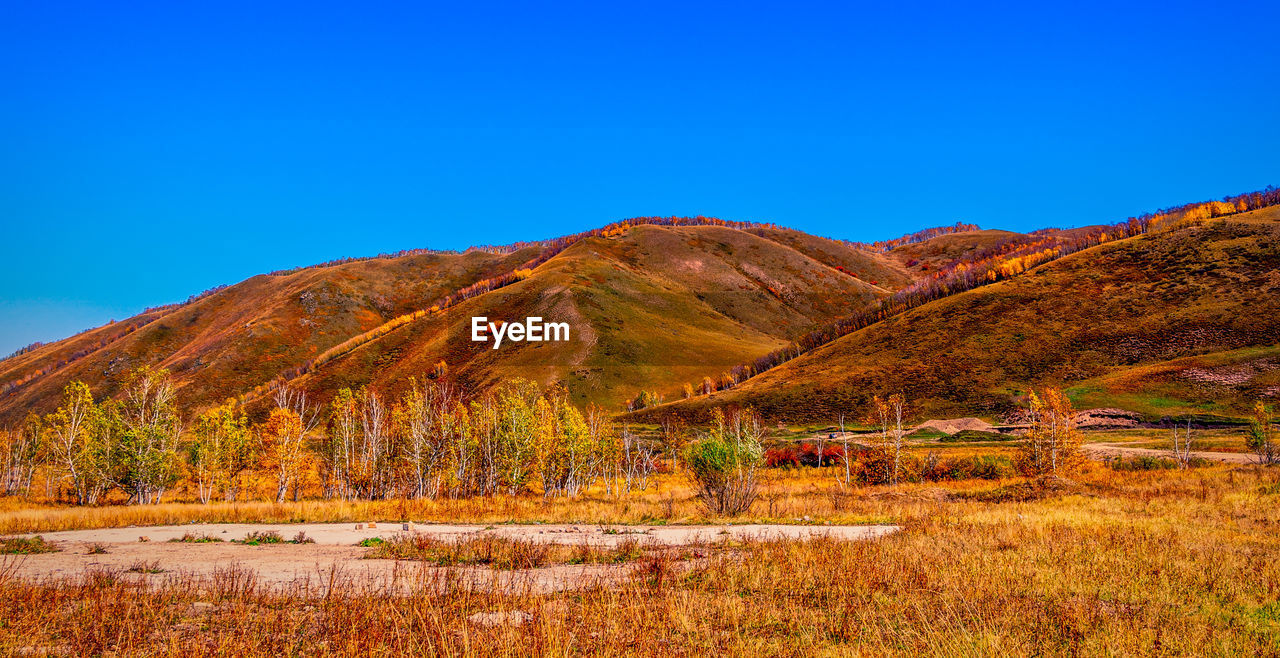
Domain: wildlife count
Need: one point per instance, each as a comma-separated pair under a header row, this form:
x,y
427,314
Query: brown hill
x,y
227,342
651,306
1113,320
934,254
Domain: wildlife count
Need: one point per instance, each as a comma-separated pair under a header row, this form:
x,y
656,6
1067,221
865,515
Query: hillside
x,y
1169,312
654,306
934,254
1174,321
236,338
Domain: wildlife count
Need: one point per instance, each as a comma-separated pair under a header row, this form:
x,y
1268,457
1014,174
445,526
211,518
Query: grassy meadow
x,y
1110,562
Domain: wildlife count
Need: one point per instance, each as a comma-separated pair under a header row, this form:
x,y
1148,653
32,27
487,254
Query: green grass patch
x,y
26,546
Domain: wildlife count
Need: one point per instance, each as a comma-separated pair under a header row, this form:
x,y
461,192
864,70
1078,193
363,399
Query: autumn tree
x,y
222,448
417,421
1052,442
1261,438
144,430
889,414
283,438
674,437
456,428
565,455
337,449
516,450
76,446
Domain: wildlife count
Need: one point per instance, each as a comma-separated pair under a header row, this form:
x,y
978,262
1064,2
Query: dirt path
x,y
1121,450
334,552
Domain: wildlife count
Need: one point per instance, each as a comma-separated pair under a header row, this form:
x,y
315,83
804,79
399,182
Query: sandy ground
x,y
335,555
1120,450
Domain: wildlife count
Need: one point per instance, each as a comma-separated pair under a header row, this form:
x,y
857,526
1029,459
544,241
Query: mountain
x,y
1179,320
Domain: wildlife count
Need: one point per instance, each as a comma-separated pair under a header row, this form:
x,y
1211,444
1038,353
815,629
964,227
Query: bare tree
x,y
20,451
847,458
1182,446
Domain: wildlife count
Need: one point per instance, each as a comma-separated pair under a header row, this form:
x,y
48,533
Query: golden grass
x,y
671,500
1172,562
507,552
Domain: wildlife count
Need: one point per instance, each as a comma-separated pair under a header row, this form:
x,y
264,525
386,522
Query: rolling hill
x,y
233,339
1183,320
652,306
1173,312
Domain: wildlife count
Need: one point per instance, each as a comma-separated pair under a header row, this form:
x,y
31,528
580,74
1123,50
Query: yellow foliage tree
x,y
1052,445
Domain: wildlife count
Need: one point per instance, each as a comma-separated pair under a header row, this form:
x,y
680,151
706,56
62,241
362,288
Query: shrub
x,y
26,545
194,538
972,436
499,552
805,454
981,467
258,537
877,468
723,462
143,566
1142,463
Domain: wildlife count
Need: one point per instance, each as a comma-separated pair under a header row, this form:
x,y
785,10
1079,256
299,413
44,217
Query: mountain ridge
x,y
661,304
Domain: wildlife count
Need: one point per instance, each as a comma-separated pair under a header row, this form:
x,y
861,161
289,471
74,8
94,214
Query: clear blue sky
x,y
152,150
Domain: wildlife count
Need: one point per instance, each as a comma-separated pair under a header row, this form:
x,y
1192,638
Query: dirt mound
x,y
954,425
1108,418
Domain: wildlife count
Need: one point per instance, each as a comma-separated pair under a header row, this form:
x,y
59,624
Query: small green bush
x,y
194,538
1143,463
26,545
259,537
723,463
975,436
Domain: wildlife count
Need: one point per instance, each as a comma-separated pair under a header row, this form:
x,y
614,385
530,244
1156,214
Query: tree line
x,y
429,442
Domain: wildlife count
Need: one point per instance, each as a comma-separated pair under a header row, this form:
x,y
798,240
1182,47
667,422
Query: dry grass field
x,y
1117,563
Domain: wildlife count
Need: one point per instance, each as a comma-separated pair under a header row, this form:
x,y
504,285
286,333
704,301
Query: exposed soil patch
x,y
954,425
335,550
1107,419
1119,450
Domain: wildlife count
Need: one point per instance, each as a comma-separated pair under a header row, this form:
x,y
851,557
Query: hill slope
x,y
651,306
650,309
1114,319
233,339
